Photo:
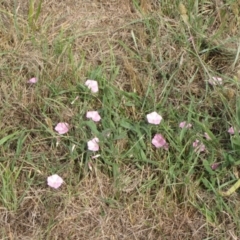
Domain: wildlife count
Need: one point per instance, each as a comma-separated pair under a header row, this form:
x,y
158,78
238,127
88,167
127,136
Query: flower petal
x,y
215,81
92,84
54,181
207,136
154,118
33,80
94,115
214,166
62,128
231,130
198,146
159,141
185,125
93,145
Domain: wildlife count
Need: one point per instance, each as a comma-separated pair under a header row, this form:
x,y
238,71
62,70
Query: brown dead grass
x,y
93,209
93,213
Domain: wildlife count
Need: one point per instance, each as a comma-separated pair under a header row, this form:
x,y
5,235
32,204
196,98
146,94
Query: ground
x,y
146,56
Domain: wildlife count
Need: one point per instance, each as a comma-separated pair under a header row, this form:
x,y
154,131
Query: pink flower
x,y
62,128
33,80
94,115
185,125
154,118
207,136
159,141
54,181
93,145
92,84
214,166
190,39
231,130
198,146
215,81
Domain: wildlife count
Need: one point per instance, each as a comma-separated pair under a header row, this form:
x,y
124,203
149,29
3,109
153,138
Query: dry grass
x,y
141,48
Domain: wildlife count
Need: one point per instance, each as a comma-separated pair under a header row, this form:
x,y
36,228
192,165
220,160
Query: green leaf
x,y
126,124
5,139
38,10
92,126
207,167
235,143
20,142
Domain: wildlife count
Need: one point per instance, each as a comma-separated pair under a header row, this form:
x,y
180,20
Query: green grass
x,y
144,63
